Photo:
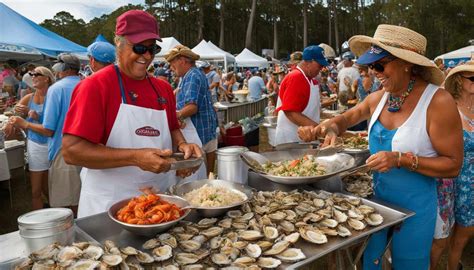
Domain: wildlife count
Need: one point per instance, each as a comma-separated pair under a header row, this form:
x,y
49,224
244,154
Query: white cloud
x,y
39,10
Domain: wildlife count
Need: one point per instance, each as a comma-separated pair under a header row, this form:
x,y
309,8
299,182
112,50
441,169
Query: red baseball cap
x,y
137,26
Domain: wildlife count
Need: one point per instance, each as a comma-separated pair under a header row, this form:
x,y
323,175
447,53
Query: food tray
x,y
335,163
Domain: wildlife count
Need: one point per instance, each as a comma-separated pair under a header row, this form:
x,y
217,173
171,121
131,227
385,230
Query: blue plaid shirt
x,y
194,88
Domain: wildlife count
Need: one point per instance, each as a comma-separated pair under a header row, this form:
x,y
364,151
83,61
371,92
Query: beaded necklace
x,y
395,103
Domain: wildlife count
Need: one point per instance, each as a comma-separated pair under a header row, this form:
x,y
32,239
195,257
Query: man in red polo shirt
x,y
298,100
122,124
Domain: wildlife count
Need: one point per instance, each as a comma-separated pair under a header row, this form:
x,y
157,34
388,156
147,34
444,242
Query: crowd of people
x,y
99,135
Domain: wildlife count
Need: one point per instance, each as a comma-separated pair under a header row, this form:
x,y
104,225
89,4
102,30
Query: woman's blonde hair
x,y
454,81
46,72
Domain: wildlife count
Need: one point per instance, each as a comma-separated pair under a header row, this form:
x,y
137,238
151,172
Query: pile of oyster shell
x,y
86,255
359,184
260,235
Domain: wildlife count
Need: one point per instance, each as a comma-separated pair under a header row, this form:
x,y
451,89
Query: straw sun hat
x,y
402,43
181,50
450,83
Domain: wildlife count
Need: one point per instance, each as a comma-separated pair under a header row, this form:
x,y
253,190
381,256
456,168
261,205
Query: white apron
x,y
191,136
287,131
134,127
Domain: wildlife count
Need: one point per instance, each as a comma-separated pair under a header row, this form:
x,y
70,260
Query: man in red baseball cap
x,y
122,125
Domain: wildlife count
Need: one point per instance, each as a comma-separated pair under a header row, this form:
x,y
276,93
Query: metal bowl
x,y
153,229
182,189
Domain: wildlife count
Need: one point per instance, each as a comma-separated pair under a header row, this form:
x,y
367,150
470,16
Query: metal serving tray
x,y
102,228
335,164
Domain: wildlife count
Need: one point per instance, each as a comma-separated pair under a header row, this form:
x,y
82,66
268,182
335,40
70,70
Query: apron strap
x,y
310,83
122,90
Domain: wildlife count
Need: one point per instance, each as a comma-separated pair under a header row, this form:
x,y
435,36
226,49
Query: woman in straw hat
x,y
414,136
460,83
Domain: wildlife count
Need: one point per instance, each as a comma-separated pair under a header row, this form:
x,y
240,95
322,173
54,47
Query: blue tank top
x,y
34,136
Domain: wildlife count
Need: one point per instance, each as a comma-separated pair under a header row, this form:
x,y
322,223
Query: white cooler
x,y
15,153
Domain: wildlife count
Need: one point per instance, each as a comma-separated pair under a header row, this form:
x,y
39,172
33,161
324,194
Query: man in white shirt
x,y
345,77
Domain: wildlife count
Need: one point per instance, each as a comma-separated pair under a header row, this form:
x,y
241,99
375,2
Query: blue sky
x,y
39,10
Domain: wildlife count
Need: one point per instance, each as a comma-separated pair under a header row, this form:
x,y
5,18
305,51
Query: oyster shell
x,y
221,259
268,262
343,231
313,235
240,244
277,248
81,245
93,252
186,258
206,222
225,223
290,215
355,213
250,235
85,265
292,238
68,254
112,259
189,245
48,252
291,255
240,225
277,216
212,232
287,226
356,224
365,209
144,257
193,267
264,245
244,261
234,213
253,250
216,242
319,203
199,238
328,231
340,216
162,253
331,223
374,219
184,236
270,232
168,239
129,251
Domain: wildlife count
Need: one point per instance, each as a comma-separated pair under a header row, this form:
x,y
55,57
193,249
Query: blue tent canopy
x,y
101,37
21,32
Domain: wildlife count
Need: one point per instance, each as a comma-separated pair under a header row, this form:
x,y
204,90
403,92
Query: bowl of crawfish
x,y
149,214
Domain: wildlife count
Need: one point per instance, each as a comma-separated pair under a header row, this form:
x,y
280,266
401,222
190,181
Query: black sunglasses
x,y
35,74
380,66
469,78
142,49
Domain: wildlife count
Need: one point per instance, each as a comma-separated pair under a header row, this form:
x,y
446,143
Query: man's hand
x,y
153,160
18,122
21,109
190,150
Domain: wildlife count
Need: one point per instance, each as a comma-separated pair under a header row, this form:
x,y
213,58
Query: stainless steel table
x,y
236,111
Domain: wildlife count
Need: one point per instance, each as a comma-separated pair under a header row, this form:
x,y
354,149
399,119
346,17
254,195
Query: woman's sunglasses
x,y
142,49
379,66
469,78
35,74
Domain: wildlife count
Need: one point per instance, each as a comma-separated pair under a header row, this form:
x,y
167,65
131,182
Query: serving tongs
x,y
178,162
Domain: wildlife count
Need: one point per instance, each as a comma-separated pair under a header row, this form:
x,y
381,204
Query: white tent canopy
x,y
249,59
207,53
463,54
230,57
166,45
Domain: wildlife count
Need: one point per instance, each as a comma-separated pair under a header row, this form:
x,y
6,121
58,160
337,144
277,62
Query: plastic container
x,y
234,131
234,140
45,226
229,165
